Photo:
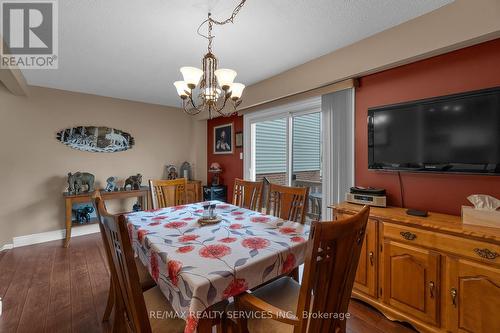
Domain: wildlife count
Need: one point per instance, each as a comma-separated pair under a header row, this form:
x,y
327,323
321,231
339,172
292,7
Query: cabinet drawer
x,y
473,249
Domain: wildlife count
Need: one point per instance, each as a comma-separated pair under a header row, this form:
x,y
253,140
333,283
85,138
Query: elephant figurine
x,y
136,207
77,180
111,184
134,182
82,215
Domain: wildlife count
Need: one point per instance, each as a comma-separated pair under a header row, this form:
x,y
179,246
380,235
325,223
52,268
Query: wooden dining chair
x,y
288,203
144,277
247,194
265,190
330,267
167,193
132,306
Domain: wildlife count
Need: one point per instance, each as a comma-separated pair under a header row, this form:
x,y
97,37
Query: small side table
x,y
218,192
70,199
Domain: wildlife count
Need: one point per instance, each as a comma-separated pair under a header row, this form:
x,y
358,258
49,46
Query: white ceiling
x,y
133,49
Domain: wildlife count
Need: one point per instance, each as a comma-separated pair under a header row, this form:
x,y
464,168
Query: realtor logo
x,y
29,30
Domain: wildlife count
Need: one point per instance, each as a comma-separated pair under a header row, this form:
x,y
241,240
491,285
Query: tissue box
x,y
479,217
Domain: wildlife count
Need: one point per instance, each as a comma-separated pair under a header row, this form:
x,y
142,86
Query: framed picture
x,y
238,138
223,139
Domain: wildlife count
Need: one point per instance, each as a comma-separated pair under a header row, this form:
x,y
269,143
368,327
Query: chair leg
x,y
111,301
119,324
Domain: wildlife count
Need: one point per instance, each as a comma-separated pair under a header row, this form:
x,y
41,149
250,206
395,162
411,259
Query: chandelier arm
x,y
219,110
235,104
191,111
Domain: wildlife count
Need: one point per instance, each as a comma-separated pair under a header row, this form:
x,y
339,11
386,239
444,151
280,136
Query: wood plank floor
x,y
47,288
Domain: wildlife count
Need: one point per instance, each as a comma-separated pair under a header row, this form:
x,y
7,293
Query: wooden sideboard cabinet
x,y
193,191
434,272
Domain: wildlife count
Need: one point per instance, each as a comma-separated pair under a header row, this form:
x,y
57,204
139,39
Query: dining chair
x,y
167,193
247,194
313,211
288,203
330,266
265,190
132,306
145,279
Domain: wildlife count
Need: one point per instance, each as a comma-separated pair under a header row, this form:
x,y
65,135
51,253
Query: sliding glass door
x,y
285,148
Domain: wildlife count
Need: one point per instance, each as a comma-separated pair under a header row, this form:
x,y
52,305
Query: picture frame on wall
x,y
223,139
238,139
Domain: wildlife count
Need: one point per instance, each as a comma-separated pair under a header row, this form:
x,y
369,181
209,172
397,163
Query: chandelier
x,y
217,91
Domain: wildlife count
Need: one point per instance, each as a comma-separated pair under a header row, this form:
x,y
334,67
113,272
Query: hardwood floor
x,y
47,288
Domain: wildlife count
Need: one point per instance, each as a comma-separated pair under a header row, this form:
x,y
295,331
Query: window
x,y
285,147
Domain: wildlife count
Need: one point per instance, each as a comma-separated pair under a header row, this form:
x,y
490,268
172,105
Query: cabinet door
x,y
473,297
366,274
411,280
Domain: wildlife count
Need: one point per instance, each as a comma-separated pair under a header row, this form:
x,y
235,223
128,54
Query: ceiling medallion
x,y
218,93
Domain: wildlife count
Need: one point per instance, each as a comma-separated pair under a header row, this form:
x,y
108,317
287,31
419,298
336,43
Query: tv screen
x,y
455,133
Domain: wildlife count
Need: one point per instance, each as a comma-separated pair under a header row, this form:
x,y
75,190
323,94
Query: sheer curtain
x,y
337,111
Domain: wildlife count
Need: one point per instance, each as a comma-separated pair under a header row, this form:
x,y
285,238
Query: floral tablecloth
x,y
196,267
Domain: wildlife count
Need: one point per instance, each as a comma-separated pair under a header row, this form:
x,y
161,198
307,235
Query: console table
x,y
70,199
434,272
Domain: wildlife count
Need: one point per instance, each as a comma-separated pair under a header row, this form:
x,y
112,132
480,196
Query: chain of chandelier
x,y
217,92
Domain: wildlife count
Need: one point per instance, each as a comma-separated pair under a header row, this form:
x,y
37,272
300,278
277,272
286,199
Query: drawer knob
x,y
486,254
408,235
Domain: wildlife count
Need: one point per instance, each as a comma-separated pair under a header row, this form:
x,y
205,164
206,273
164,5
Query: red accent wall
x,y
231,164
472,68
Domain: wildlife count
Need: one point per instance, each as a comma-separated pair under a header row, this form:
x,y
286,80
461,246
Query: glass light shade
x,y
181,87
225,77
211,94
191,75
237,90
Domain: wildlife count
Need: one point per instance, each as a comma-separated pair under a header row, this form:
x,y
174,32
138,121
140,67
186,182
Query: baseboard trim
x,y
53,235
6,247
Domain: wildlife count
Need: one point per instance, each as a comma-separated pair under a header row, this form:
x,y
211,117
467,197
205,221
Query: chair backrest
x,y
100,209
247,194
167,193
314,205
329,271
265,190
288,203
129,300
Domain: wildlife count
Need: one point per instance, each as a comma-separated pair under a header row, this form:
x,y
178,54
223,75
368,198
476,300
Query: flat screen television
x,y
455,133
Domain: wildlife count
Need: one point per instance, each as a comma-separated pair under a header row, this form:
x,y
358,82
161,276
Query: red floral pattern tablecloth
x,y
196,267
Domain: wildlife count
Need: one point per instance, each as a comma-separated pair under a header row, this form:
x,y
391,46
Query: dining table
x,y
196,266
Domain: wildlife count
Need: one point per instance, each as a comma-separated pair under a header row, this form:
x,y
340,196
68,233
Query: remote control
x,y
415,212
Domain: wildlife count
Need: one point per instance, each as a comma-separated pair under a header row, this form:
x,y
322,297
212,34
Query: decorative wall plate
x,y
96,139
